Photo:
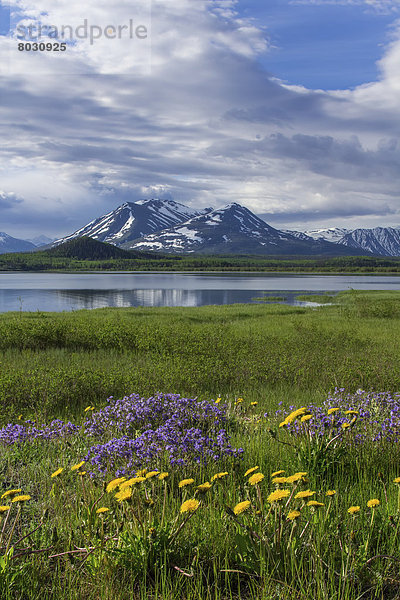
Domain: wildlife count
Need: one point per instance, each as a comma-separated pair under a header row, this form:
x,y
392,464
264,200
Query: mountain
x,y
331,234
41,240
384,241
233,230
11,244
134,220
86,248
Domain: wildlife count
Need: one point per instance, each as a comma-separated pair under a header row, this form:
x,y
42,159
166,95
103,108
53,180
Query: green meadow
x,y
240,536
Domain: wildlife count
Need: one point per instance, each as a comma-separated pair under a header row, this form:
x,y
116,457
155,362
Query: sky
x,y
289,107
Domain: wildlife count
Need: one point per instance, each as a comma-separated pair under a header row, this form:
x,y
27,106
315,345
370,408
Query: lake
x,y
74,291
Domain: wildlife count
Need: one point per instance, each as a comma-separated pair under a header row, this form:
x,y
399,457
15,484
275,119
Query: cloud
x,y
206,125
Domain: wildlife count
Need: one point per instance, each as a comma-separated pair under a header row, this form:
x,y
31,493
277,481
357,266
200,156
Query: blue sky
x,y
324,46
289,107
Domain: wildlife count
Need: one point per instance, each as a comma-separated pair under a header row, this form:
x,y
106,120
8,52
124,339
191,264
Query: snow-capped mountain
x,y
11,244
231,230
134,220
40,240
331,234
384,241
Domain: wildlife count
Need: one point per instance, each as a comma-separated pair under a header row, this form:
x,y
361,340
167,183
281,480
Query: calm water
x,y
71,291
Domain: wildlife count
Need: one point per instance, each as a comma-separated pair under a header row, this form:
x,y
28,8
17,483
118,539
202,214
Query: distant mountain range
x,y
233,229
167,226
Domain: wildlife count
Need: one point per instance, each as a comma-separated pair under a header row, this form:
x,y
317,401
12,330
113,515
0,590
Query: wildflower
x,y
11,492
239,401
19,417
315,503
256,478
306,418
23,498
141,473
4,508
163,475
397,480
332,410
293,416
218,400
204,487
102,510
82,473
330,493
373,503
151,474
294,478
275,473
241,507
345,425
278,495
190,506
57,473
293,515
304,494
89,408
185,482
112,485
78,466
250,471
219,475
123,495
351,412
253,403
353,509
279,480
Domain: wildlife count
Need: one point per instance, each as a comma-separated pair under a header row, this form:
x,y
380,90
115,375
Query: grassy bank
x,y
245,363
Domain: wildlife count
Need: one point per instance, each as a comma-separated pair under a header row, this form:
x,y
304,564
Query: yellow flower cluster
x,y
293,416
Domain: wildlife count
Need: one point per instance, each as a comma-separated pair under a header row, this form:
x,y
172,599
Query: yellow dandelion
x,y
330,493
219,475
185,482
306,418
332,410
190,506
278,495
204,487
239,401
102,510
82,473
151,474
250,471
293,416
397,480
23,498
253,403
78,466
57,473
256,478
275,473
124,495
294,478
11,493
241,507
141,473
88,408
279,480
19,417
163,475
112,485
218,400
4,508
315,503
373,503
304,494
293,515
345,425
353,510
351,412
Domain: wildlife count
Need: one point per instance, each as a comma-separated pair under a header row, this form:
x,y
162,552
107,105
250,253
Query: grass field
x,y
249,367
